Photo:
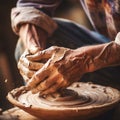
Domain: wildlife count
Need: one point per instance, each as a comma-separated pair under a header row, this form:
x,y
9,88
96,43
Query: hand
x,y
34,38
63,67
26,67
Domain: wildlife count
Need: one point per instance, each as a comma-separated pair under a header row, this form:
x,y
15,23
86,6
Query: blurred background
x,y
9,75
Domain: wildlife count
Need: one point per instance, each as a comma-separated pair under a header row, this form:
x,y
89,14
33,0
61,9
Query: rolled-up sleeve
x,y
47,6
36,12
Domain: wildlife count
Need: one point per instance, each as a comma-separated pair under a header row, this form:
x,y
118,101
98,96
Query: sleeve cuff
x,y
22,15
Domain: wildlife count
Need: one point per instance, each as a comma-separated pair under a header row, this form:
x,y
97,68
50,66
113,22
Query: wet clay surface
x,y
76,101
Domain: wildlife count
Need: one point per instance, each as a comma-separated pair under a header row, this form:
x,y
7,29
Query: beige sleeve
x,y
22,15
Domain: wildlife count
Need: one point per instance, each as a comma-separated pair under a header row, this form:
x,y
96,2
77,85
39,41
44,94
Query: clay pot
x,y
78,102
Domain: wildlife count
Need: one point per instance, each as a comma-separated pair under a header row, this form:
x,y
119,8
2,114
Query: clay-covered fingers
x,y
44,54
60,84
38,77
29,64
26,67
49,81
51,90
25,71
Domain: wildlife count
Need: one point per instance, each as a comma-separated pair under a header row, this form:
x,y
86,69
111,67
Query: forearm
x,y
33,37
100,56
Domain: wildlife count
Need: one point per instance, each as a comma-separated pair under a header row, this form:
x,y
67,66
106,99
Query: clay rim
x,y
20,105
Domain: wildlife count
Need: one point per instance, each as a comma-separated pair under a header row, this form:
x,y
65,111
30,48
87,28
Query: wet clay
x,y
78,100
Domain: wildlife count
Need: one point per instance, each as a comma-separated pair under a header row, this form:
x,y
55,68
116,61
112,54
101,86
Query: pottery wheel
x,y
79,96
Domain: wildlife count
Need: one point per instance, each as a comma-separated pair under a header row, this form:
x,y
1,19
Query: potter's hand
x,y
64,66
26,67
33,37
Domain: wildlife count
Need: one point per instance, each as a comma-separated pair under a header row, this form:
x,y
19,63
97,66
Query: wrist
x,y
107,55
99,56
33,37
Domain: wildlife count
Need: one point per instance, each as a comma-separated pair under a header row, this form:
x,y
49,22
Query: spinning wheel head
x,y
79,101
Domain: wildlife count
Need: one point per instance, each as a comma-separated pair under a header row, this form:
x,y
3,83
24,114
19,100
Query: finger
x,y
25,71
40,76
31,65
26,79
45,54
53,79
37,78
61,83
41,87
19,91
51,90
39,56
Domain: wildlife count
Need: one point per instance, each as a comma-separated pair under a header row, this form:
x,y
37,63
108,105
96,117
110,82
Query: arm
x,y
100,56
65,66
32,21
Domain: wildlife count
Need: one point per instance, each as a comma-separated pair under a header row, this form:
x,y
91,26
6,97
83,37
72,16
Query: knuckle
x,y
53,47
